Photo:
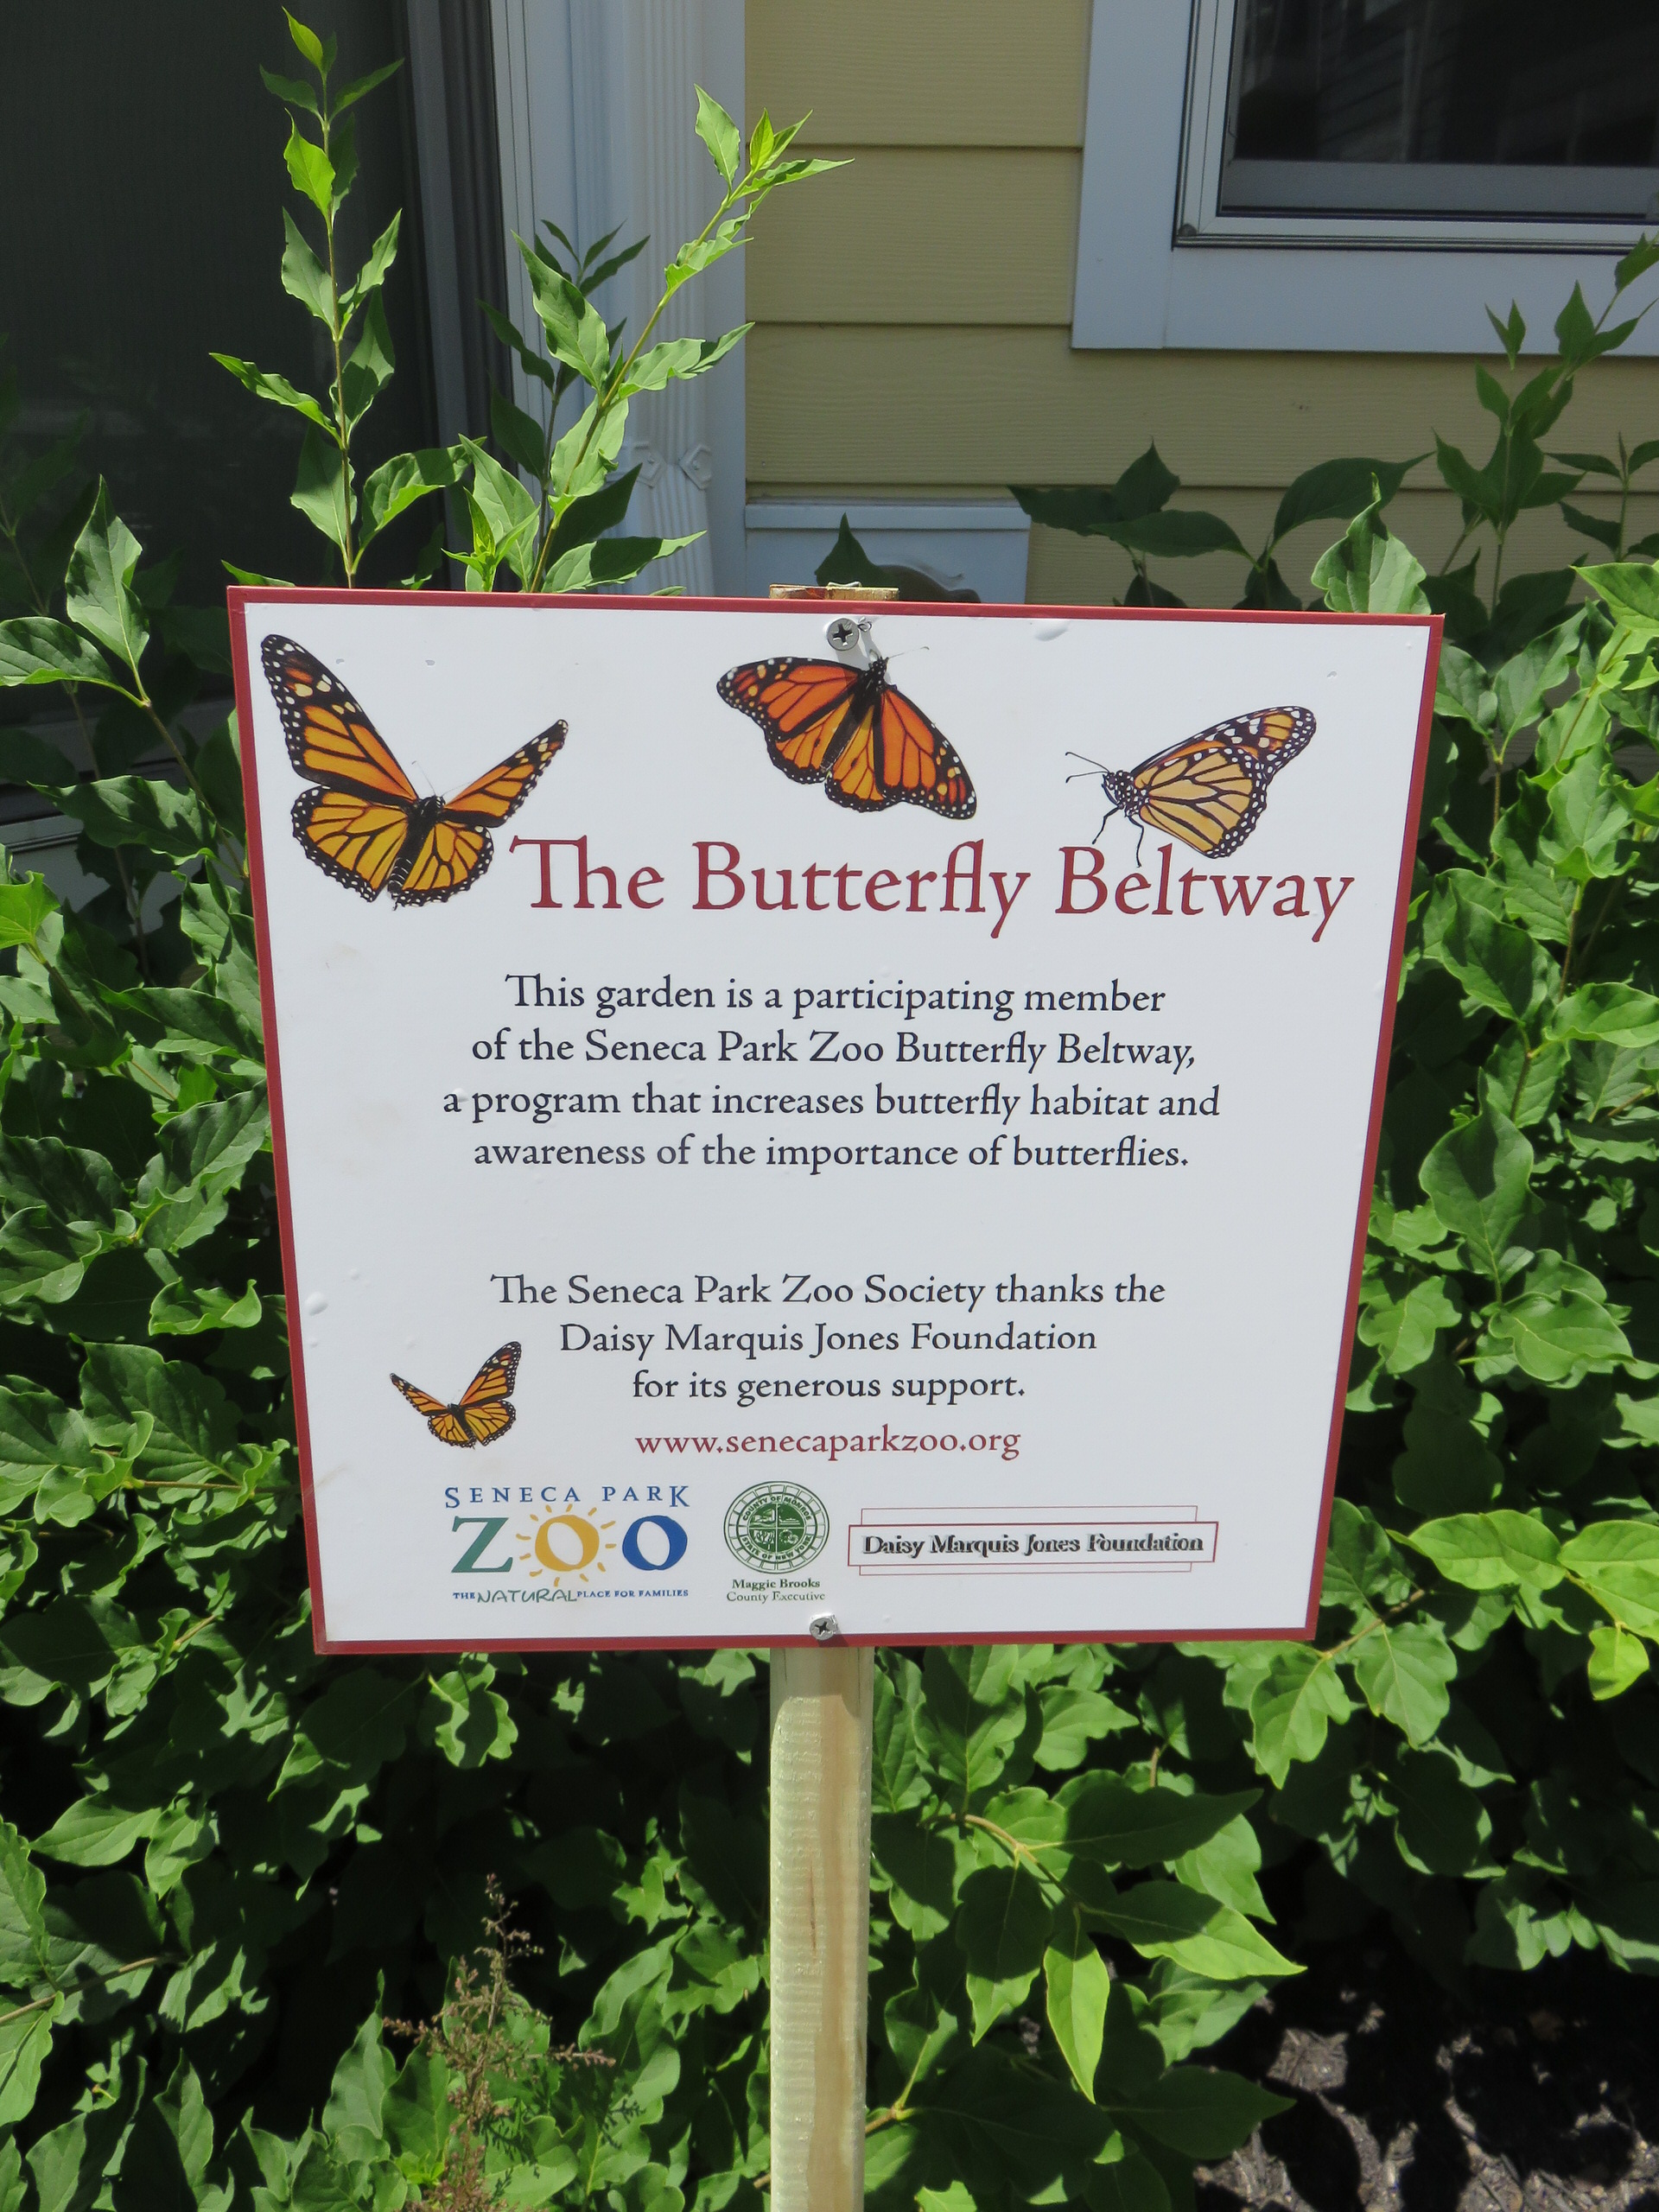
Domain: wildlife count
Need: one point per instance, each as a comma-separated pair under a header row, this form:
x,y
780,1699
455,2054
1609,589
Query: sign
x,y
793,1114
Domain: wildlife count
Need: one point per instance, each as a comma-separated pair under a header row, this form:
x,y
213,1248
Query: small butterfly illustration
x,y
845,727
364,823
481,1413
1208,791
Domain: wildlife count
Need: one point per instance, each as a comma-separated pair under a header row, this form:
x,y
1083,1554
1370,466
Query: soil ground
x,y
1544,2094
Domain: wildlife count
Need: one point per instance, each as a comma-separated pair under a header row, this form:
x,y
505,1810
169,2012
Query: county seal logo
x,y
777,1527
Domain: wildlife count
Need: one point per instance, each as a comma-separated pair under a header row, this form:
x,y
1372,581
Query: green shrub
x,y
224,1862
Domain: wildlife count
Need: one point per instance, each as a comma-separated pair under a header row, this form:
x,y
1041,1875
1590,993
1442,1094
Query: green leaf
x,y
25,2040
359,87
969,1715
1073,1719
1642,256
1618,1660
511,511
1111,1820
310,169
1077,1986
1367,571
193,1426
924,1864
399,482
354,1728
1478,1178
1001,1928
1176,533
321,490
1503,1550
1131,2184
1608,1013
719,135
99,592
1630,589
1617,1561
1498,965
1200,2111
1402,1672
118,810
678,357
24,1944
1404,1328
368,365
470,1722
1165,1919
610,561
310,44
265,384
1335,490
25,909
1297,1696
291,91
97,1831
1559,1327
304,278
34,649
575,329
1225,1868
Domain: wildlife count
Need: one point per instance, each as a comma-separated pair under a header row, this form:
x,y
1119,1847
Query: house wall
x,y
912,315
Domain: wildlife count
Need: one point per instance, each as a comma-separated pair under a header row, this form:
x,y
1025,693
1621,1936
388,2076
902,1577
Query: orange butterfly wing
x,y
917,761
329,737
802,705
481,1413
455,848
505,789
849,729
445,860
356,840
1210,790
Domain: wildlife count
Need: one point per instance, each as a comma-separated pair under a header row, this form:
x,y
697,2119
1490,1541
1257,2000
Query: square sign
x,y
805,1119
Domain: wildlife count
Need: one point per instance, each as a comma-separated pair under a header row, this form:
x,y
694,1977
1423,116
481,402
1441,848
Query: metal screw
x,y
823,1628
843,633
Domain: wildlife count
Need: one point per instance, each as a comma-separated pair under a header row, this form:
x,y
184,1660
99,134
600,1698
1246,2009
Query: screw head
x,y
843,633
823,1628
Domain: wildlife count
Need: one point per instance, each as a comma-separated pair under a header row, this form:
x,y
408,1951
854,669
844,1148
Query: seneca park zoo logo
x,y
777,1528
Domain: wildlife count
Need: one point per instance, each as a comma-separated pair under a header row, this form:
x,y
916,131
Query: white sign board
x,y
792,1114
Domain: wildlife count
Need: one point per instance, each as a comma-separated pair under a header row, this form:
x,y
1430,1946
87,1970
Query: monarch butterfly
x,y
481,1413
365,823
1208,791
847,728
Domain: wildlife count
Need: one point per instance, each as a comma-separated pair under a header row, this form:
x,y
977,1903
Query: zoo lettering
x,y
961,884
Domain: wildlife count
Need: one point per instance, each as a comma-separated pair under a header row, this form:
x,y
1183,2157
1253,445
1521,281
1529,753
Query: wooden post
x,y
821,1713
822,1702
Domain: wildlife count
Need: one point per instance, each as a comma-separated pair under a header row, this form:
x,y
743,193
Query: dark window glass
x,y
143,221
1489,108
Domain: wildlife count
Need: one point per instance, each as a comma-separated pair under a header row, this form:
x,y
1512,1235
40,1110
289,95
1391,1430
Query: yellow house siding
x,y
913,235
912,313
921,73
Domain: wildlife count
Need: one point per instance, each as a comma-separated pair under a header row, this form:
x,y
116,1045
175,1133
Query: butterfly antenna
x,y
1076,773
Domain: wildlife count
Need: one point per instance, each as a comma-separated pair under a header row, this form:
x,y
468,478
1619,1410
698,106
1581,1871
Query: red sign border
x,y
241,598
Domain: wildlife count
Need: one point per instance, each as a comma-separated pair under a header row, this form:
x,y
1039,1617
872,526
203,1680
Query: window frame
x,y
1148,277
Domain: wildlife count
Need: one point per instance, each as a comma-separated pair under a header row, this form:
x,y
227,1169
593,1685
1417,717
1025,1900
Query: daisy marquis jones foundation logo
x,y
777,1527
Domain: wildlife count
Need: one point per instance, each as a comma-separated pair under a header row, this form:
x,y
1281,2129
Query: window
x,y
145,228
1490,121
1359,175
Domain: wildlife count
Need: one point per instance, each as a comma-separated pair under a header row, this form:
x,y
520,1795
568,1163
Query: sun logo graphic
x,y
565,1543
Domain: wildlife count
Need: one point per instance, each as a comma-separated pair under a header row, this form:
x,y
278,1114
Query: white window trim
x,y
594,109
980,544
1140,287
